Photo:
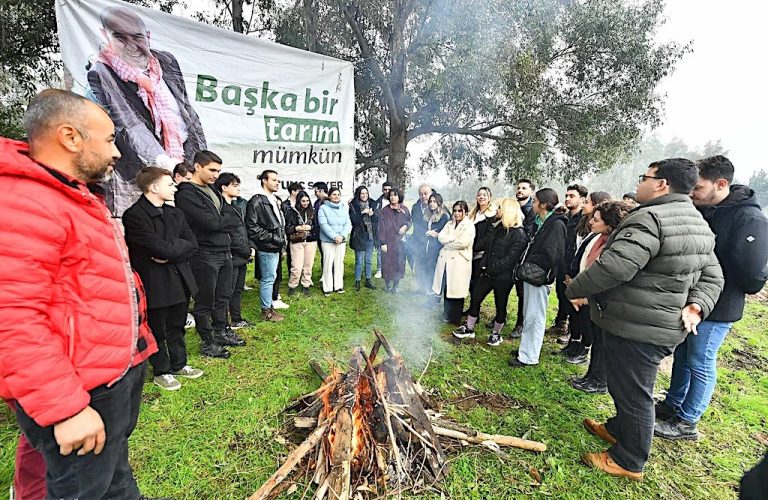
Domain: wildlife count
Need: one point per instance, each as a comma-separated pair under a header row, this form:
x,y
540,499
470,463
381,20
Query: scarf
x,y
596,250
154,96
367,224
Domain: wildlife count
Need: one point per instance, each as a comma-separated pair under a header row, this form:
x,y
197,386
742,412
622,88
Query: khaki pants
x,y
302,260
333,266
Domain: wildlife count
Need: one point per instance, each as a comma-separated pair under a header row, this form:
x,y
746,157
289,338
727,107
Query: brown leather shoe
x,y
271,315
605,463
597,429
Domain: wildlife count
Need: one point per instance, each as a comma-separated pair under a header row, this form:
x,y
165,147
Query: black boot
x,y
664,411
228,338
306,291
676,428
213,350
369,284
292,291
357,285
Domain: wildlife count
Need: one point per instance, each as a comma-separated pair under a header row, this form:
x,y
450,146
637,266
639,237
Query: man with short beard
x,y
144,93
73,334
524,196
741,231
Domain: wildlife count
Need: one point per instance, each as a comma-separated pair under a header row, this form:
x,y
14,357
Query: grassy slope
x,y
215,437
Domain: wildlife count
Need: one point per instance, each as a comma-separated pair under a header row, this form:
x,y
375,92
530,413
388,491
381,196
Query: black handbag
x,y
532,274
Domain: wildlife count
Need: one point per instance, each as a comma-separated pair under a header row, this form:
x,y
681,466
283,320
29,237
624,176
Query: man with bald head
x,y
73,333
143,91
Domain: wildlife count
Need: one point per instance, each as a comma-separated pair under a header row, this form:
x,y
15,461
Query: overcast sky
x,y
719,90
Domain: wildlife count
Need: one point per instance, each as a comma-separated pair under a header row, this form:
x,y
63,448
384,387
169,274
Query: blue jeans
x,y
694,372
268,266
366,254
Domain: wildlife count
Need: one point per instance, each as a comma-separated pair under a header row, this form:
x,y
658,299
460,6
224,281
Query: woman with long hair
x,y
482,215
506,244
394,223
537,271
334,228
299,221
435,217
575,345
364,219
454,263
605,219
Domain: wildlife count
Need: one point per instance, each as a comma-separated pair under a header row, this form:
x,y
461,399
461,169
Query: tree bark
x,y
397,150
237,16
310,25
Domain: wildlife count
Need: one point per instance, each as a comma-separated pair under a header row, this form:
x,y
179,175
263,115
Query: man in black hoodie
x,y
524,196
741,228
211,222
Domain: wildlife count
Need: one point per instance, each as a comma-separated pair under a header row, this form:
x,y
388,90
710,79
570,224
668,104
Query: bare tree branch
x,y
484,132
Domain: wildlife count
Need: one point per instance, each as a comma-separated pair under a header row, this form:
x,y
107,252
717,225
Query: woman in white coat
x,y
454,264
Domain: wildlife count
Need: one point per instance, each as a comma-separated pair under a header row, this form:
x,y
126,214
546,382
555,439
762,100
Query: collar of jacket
x,y
331,204
667,198
150,208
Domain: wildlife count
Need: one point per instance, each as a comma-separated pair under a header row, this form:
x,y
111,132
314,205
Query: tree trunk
x,y
310,25
397,145
237,16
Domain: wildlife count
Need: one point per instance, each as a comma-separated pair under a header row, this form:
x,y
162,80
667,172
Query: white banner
x,y
174,86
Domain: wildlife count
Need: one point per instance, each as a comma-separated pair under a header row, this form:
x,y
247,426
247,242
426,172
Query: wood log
x,y
290,462
401,391
385,343
318,369
499,439
305,422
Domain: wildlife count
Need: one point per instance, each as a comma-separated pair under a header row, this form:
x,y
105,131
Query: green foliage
x,y
534,88
216,437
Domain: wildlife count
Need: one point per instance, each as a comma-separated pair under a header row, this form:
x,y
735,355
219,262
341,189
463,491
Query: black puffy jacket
x,y
505,247
741,246
265,228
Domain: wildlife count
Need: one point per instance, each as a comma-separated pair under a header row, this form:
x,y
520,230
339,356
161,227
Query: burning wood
x,y
374,432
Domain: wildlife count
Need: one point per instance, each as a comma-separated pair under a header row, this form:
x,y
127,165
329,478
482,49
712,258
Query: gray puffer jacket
x,y
657,261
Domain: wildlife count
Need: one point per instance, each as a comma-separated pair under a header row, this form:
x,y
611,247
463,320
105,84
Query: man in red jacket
x,y
73,334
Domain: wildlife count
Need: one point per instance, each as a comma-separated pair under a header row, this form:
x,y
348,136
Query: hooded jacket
x,y
741,246
72,312
659,259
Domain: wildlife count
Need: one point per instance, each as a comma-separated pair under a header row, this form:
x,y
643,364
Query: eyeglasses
x,y
642,177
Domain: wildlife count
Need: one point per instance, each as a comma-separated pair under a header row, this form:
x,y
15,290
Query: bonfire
x,y
373,432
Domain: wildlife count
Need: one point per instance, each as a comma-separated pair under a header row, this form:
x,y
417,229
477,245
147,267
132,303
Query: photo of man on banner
x,y
143,91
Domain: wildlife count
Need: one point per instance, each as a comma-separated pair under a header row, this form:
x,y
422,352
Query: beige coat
x,y
455,259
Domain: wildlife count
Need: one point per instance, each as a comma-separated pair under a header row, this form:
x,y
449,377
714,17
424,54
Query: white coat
x,y
455,259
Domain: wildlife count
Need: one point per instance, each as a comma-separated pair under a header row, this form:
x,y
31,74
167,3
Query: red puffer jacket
x,y
72,312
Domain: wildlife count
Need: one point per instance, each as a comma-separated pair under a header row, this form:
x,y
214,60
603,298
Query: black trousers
x,y
108,474
520,298
213,272
564,307
452,308
501,291
581,326
631,368
596,370
278,278
167,325
235,302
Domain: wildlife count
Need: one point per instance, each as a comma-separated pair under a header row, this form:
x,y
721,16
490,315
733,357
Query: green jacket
x,y
657,261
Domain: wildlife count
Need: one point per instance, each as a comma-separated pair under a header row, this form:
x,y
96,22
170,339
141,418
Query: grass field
x,y
215,438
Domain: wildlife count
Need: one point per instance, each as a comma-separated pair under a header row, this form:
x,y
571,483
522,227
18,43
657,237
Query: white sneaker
x,y
189,372
167,382
246,288
377,275
190,323
279,304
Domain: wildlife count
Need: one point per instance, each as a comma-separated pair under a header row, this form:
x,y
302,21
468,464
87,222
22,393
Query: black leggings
x,y
501,291
596,369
